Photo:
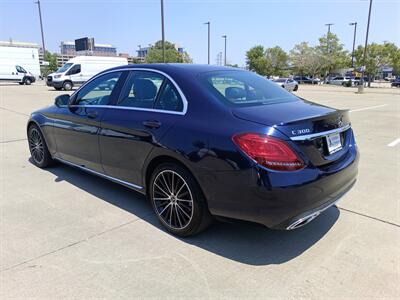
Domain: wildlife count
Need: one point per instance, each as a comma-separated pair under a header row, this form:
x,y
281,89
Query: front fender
x,y
45,125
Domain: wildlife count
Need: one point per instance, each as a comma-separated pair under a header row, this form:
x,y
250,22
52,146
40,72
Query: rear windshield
x,y
242,88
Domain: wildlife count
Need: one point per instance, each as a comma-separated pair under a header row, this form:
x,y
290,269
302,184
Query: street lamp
x,y
329,27
41,27
208,25
224,37
361,85
328,46
162,30
354,42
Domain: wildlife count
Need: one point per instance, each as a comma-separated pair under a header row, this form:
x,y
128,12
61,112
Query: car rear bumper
x,y
279,199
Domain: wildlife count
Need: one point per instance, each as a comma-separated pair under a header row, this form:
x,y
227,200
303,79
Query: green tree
x,y
255,60
393,53
267,62
172,55
332,52
306,60
378,55
51,58
276,61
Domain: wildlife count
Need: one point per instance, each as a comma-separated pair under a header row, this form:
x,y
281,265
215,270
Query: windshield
x,y
241,88
64,68
280,80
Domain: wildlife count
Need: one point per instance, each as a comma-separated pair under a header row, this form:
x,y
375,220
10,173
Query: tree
x,y
378,55
393,53
306,60
172,55
51,58
333,54
255,60
267,62
276,61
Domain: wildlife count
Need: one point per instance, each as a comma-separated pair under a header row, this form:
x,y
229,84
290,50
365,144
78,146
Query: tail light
x,y
269,152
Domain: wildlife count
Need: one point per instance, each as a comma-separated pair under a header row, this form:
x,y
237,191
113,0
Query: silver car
x,y
287,83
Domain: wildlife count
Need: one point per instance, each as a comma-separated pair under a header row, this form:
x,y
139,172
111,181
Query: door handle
x,y
92,114
152,124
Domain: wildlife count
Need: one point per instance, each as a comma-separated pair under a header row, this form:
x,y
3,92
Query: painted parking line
x,y
367,108
394,143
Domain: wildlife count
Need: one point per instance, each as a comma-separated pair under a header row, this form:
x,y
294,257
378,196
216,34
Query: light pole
x,y
41,27
224,37
354,42
208,25
328,46
329,26
361,85
162,30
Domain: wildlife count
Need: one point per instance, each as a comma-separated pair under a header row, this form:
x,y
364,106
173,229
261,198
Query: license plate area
x,y
333,142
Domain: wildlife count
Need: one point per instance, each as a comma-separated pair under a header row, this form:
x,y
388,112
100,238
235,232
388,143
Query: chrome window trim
x,y
183,97
116,180
319,134
132,108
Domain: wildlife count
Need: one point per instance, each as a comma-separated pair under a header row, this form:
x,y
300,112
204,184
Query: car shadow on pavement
x,y
244,242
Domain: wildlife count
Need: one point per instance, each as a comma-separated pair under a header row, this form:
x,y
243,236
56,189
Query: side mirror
x,y
62,100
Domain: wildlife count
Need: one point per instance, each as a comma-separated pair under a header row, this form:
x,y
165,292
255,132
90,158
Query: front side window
x,y
64,68
20,69
76,69
241,88
141,90
98,91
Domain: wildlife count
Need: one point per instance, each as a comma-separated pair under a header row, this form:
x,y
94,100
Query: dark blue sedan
x,y
202,141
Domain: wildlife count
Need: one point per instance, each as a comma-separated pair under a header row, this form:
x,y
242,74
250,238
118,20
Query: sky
x,y
129,23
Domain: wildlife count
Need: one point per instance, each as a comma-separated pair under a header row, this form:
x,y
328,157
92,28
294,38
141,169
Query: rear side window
x,y
141,89
241,88
169,98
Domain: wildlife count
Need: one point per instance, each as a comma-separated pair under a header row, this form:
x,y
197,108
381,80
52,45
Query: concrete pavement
x,y
68,234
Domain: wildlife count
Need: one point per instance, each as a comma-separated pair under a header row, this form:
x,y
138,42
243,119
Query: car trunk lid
x,y
311,127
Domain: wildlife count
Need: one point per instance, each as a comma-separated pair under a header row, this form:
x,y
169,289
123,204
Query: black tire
x,y
27,81
67,85
40,154
296,87
182,217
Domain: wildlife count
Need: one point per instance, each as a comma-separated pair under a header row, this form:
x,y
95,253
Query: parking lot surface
x,y
65,233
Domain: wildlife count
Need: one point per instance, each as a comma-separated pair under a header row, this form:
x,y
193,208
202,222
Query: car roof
x,y
171,68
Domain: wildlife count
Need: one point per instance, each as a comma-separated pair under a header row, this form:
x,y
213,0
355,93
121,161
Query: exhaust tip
x,y
302,221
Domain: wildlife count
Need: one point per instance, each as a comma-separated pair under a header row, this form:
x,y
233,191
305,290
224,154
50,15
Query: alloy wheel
x,y
36,146
172,199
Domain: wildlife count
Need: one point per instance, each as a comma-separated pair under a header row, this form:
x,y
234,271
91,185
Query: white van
x,y
80,69
10,71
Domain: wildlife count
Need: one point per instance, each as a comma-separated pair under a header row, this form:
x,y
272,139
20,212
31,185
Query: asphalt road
x,y
68,234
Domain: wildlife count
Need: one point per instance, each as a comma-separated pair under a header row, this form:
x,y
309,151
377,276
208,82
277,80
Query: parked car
x,y
305,79
344,81
202,141
80,69
11,72
396,83
287,83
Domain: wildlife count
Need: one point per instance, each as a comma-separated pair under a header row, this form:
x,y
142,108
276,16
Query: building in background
x,y
21,53
142,52
68,48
